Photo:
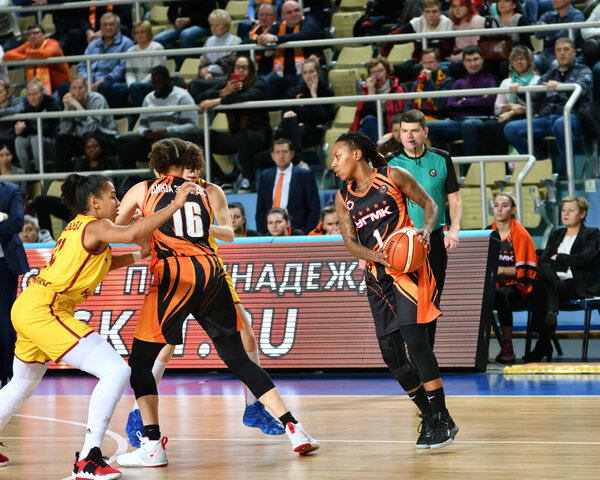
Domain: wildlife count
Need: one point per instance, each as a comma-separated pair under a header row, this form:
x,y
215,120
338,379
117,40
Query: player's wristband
x,y
137,256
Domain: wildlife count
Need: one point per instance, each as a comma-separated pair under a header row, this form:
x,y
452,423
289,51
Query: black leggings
x,y
505,297
438,261
421,355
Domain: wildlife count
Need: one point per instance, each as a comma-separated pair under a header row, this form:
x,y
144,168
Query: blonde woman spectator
x,y
137,70
215,64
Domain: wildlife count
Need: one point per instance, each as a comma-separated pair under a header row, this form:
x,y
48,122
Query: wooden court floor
x,y
362,437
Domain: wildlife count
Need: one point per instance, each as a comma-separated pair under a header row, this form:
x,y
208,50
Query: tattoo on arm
x,y
415,192
348,231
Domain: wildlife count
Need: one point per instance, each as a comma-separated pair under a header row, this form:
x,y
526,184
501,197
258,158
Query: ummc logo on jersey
x,y
161,188
350,205
507,258
381,213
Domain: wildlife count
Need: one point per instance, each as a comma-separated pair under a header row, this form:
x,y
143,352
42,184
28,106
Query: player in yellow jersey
x,y
255,414
43,315
188,279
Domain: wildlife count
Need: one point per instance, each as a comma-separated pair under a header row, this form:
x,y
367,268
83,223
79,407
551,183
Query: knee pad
x,y
141,362
252,375
392,351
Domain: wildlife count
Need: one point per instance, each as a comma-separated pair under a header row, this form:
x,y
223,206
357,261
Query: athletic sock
x,y
419,396
152,432
286,418
250,398
437,398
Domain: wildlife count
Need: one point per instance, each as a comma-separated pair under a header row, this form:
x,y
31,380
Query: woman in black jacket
x,y
249,129
304,124
567,270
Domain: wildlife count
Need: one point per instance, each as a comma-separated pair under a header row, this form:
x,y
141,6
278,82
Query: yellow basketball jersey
x,y
72,270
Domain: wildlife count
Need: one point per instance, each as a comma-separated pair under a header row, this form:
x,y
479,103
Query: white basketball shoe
x,y
152,453
302,443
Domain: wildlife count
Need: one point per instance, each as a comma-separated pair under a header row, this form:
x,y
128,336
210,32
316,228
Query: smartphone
x,y
234,77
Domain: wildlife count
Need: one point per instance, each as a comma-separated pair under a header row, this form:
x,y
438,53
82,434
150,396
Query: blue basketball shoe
x,y
134,425
255,415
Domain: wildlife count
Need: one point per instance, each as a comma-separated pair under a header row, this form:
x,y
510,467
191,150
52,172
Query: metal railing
x,y
576,91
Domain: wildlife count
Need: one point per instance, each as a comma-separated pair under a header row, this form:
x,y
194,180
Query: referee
x,y
434,170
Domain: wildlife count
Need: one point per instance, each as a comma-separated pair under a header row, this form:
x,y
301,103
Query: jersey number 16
x,y
193,221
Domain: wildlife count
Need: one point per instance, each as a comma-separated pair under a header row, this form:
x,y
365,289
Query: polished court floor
x,y
511,427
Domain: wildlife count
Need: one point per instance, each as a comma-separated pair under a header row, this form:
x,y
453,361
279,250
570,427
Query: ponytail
x,y
76,190
359,141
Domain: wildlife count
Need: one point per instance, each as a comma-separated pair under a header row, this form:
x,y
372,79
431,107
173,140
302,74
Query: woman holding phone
x,y
249,129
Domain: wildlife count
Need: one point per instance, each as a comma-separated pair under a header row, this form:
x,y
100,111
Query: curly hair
x,y
174,151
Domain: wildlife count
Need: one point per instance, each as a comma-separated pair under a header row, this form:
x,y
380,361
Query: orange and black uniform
x,y
402,304
189,278
396,299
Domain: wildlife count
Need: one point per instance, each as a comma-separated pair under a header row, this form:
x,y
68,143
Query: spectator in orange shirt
x,y
40,46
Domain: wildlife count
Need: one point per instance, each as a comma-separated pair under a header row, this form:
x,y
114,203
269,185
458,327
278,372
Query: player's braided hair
x,y
174,151
359,141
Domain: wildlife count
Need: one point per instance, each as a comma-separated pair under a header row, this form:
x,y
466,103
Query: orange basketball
x,y
404,250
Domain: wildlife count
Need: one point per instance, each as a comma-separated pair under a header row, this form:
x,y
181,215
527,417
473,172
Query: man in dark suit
x,y
13,262
292,188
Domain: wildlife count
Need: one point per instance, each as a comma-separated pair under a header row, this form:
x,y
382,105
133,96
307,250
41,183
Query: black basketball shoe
x,y
444,430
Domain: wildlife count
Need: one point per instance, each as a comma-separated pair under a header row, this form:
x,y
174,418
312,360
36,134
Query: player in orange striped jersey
x,y
255,414
43,315
370,207
188,279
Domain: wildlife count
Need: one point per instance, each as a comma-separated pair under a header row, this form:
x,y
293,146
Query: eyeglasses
x,y
519,59
241,67
34,32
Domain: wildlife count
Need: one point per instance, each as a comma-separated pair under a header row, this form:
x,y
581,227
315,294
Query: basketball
x,y
404,250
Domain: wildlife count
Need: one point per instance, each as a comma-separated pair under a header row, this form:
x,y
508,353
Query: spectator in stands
x,y
287,62
10,33
190,19
32,233
567,269
529,8
137,70
39,46
95,155
329,224
290,188
47,205
563,12
96,13
549,105
465,17
304,124
467,114
216,64
391,142
154,126
249,129
378,13
9,105
69,140
238,221
319,11
278,224
267,23
430,79
26,141
7,168
254,6
591,37
108,76
517,269
431,20
509,106
509,13
380,81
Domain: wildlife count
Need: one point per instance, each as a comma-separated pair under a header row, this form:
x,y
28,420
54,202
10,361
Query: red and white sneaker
x,y
152,453
3,460
302,443
93,467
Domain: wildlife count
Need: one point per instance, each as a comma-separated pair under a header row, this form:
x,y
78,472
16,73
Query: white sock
x,y
250,398
94,355
25,378
158,370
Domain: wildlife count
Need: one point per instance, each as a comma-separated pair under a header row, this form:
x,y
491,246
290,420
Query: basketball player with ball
x,y
434,170
371,208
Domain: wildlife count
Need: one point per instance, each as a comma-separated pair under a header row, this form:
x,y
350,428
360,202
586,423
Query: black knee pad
x,y
394,356
251,374
141,361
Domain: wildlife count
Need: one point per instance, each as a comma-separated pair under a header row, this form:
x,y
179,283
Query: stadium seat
x,y
344,116
225,162
16,76
470,193
350,5
159,19
537,43
122,125
24,22
238,9
342,23
354,57
189,69
345,81
401,52
48,24
171,66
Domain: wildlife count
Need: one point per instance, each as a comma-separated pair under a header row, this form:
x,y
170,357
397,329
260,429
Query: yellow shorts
x,y
45,325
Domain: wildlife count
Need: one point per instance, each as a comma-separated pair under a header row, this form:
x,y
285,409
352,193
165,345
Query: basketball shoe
x,y
134,425
257,416
3,460
93,467
302,443
425,431
444,430
152,453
